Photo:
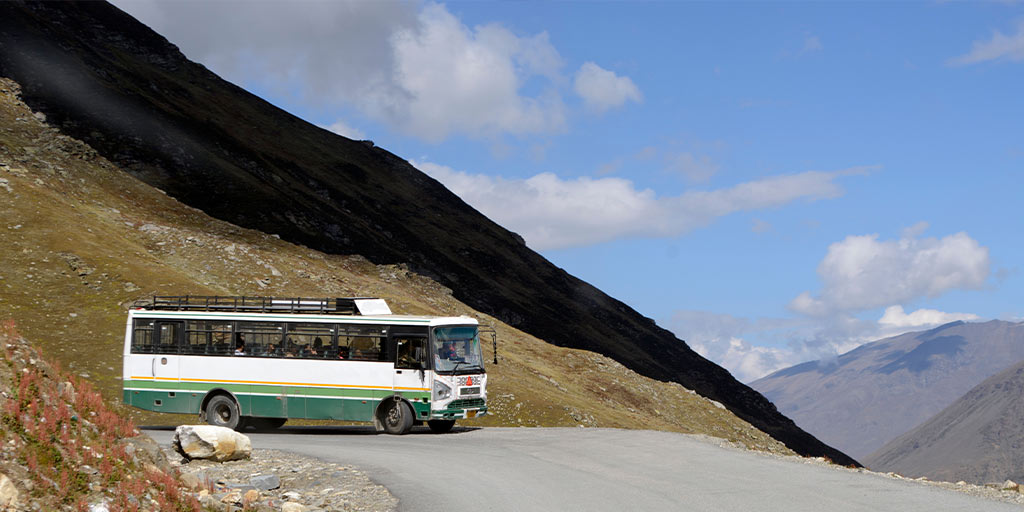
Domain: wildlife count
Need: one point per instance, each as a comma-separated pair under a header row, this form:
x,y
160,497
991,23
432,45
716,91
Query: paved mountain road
x,y
561,469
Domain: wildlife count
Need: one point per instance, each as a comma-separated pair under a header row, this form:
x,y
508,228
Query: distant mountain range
x,y
104,78
875,393
978,439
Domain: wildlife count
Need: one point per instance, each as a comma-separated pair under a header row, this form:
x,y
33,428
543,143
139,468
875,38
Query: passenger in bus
x,y
343,352
271,350
293,350
318,348
239,344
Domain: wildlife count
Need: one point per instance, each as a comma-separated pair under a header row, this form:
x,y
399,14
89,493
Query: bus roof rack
x,y
296,305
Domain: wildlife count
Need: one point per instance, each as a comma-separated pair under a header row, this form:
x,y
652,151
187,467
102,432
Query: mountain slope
x,y
872,394
108,80
83,239
979,438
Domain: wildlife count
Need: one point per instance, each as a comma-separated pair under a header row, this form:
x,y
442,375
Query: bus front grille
x,y
468,403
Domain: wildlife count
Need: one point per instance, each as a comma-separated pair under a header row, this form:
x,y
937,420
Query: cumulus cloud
x,y
554,213
602,89
458,79
415,67
895,318
863,272
998,47
744,361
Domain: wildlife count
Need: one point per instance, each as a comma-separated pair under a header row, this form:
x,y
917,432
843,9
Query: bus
x,y
258,361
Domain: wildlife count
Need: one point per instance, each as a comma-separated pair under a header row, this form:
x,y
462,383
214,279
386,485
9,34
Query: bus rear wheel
x,y
222,411
397,418
441,426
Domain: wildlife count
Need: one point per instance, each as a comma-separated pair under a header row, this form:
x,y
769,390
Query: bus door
x,y
167,342
409,352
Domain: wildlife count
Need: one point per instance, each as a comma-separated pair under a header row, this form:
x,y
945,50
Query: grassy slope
x,y
82,239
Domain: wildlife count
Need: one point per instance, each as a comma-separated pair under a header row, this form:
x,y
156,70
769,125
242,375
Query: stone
x,y
291,495
1010,485
232,497
209,502
8,494
265,482
218,444
191,480
251,496
292,507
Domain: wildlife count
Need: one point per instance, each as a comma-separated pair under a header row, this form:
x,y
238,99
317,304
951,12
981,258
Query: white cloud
x,y
554,213
861,272
896,318
744,361
345,130
718,337
698,169
413,66
1000,46
602,89
465,80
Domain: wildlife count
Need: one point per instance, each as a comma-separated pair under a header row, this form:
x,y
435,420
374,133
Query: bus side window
x,y
261,338
166,338
142,336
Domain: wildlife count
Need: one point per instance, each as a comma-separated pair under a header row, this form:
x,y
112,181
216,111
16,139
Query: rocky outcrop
x,y
211,442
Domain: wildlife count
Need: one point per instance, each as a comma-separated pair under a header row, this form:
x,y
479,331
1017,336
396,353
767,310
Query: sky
x,y
773,182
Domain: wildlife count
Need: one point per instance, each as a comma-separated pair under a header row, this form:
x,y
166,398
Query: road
x,y
563,469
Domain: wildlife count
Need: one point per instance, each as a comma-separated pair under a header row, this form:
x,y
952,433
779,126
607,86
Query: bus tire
x,y
397,418
266,423
222,411
441,426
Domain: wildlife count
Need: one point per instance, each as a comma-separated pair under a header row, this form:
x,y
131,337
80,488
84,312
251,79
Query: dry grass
x,y
83,239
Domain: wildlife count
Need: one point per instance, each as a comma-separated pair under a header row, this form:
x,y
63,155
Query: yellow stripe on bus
x,y
273,383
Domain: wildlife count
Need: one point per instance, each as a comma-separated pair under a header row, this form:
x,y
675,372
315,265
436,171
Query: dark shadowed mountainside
x,y
102,77
871,395
978,439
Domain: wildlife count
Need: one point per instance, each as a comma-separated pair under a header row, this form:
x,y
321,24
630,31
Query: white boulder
x,y
8,494
210,442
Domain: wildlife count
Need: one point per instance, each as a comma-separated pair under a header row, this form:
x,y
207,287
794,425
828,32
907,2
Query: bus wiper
x,y
455,369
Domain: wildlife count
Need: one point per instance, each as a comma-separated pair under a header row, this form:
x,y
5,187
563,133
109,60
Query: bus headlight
x,y
442,391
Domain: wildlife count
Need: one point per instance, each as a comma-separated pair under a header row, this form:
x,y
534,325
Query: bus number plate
x,y
470,391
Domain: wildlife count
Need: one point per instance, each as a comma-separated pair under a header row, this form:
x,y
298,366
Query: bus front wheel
x,y
441,426
397,418
222,411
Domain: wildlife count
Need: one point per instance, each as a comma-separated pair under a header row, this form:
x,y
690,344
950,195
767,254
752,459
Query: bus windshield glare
x,y
457,348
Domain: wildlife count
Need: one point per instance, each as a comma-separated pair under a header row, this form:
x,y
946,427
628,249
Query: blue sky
x,y
774,182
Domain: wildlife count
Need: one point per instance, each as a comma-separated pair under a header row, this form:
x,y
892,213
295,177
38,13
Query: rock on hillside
x,y
872,394
979,438
106,79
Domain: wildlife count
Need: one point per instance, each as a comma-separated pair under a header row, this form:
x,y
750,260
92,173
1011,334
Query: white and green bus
x,y
258,361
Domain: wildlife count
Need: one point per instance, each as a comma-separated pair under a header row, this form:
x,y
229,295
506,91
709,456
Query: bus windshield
x,y
457,348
